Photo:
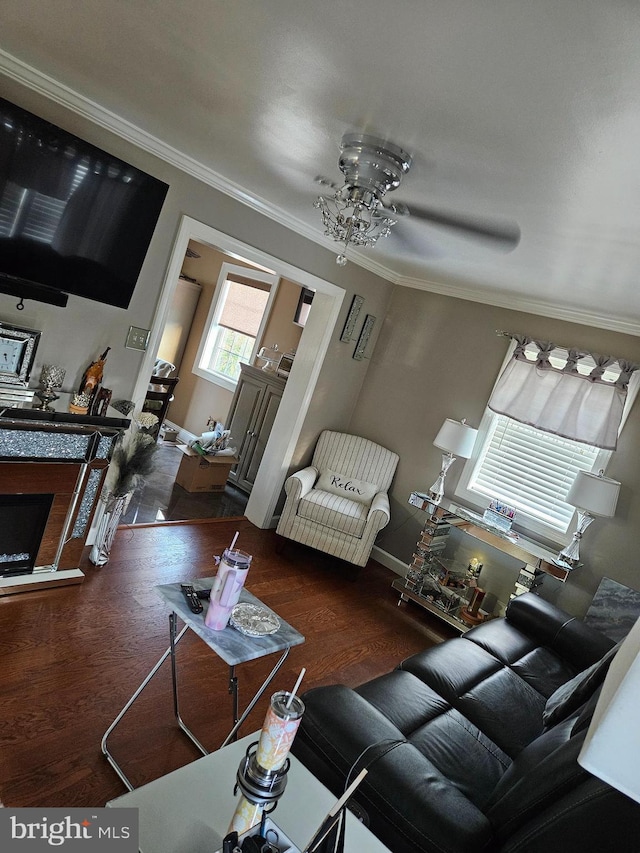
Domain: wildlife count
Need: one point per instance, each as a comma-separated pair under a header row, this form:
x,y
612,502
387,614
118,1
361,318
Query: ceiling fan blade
x,y
501,234
418,247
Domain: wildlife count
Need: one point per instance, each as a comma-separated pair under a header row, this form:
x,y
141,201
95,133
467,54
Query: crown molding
x,y
518,303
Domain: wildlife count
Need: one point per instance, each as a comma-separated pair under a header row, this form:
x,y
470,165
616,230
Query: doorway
x,y
300,387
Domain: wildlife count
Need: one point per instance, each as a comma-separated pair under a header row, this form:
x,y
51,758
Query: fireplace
x,y
24,519
52,466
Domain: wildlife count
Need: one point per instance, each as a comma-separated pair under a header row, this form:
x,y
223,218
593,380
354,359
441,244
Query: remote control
x,y
203,593
195,605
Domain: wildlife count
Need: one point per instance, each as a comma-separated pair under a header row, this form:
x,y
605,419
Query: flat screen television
x,y
73,218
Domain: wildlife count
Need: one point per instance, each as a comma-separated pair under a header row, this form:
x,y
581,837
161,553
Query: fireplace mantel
x,y
61,454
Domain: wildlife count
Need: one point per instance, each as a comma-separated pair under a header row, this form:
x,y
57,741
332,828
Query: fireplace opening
x,y
24,518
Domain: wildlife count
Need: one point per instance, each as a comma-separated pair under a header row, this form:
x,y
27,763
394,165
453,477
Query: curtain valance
x,y
567,392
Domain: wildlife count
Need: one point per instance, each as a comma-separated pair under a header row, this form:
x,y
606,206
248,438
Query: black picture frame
x,y
17,353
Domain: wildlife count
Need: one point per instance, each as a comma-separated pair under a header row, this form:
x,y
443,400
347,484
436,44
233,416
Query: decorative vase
x,y
111,508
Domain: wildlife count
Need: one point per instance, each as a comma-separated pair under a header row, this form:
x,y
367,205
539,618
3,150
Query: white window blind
x,y
531,470
244,307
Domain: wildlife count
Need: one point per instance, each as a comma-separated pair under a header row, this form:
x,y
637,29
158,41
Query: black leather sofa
x,y
461,755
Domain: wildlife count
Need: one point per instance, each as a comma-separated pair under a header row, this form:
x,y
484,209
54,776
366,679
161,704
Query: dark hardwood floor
x,y
72,656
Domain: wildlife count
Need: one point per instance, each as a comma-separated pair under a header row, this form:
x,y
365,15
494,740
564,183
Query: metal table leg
x,y
234,731
103,743
173,619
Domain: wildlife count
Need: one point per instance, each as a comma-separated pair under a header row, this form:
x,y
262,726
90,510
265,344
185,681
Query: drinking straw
x,y
233,541
295,687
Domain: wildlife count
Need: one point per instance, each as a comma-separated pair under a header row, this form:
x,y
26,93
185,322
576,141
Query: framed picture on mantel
x,y
17,352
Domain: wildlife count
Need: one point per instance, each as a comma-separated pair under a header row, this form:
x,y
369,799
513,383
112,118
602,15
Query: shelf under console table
x,y
52,468
429,581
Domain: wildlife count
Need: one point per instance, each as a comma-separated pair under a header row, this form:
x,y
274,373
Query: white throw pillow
x,y
347,487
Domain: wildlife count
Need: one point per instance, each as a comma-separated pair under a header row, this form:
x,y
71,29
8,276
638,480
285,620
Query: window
x,y
234,325
529,469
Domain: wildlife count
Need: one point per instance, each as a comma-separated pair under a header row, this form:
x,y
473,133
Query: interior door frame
x,y
315,340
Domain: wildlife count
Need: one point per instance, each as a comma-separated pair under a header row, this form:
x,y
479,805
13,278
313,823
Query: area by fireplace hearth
x,y
24,519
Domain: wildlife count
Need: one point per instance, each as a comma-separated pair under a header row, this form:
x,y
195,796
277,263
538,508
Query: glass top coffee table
x,y
230,645
190,809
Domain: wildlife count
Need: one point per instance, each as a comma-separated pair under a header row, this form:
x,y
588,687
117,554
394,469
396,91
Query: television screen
x,y
72,217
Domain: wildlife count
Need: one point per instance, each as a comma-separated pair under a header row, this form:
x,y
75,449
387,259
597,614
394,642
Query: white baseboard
x,y
389,561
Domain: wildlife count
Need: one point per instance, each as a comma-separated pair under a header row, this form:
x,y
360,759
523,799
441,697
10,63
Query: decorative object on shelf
x,y
500,515
270,356
610,750
592,495
365,334
455,438
92,377
79,404
131,460
285,364
474,568
352,318
51,376
17,352
123,406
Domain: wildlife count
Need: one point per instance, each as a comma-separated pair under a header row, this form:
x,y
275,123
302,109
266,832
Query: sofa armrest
x,y
379,511
550,626
298,484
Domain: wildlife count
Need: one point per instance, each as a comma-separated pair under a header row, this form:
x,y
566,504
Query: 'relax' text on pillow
x,y
347,487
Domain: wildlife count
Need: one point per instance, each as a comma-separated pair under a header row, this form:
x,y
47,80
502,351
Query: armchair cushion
x,y
338,484
334,511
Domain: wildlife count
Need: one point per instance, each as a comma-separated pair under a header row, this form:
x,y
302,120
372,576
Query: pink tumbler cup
x,y
226,588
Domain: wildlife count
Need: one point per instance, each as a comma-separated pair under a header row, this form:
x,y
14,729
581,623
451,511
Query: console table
x,y
537,561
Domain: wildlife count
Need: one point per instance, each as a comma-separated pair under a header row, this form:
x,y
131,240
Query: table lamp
x,y
455,438
611,750
591,494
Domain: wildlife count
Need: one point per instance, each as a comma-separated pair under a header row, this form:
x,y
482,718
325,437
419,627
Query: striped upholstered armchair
x,y
339,503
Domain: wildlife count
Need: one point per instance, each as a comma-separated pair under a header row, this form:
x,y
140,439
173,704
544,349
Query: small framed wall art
x,y
365,334
17,352
352,318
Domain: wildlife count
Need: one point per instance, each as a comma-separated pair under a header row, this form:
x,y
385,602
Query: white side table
x,y
230,645
190,809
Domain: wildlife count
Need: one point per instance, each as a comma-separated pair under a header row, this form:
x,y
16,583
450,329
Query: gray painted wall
x,y
438,357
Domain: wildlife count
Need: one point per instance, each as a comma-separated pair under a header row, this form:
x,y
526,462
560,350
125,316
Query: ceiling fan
x,y
357,214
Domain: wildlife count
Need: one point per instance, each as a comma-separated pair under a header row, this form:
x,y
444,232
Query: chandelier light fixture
x,y
355,215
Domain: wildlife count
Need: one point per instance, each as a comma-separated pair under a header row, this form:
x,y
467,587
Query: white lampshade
x,y
457,438
594,493
611,750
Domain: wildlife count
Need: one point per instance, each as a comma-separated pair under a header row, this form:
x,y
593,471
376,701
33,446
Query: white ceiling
x,y
527,110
